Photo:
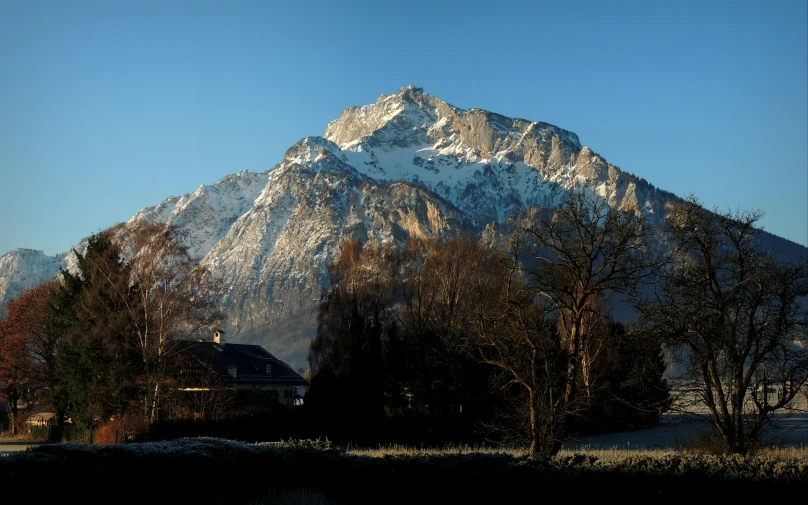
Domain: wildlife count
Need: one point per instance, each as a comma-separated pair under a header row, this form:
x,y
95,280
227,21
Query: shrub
x,y
129,428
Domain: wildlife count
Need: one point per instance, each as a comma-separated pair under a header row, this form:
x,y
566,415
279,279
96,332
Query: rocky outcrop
x,y
22,269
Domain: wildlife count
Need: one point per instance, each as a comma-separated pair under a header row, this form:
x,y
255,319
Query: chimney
x,y
218,337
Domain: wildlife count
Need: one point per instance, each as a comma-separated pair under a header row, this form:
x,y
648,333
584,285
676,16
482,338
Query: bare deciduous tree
x,y
346,357
519,339
738,317
445,282
565,264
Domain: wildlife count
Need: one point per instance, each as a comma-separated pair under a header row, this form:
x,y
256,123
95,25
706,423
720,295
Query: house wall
x,y
284,393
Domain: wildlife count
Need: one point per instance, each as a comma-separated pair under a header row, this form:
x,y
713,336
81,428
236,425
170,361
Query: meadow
x,y
216,471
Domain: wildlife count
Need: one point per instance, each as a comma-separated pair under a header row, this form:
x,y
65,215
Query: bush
x,y
38,432
129,428
69,433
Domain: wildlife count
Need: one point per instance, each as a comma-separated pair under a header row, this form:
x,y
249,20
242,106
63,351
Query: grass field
x,y
644,466
214,471
604,454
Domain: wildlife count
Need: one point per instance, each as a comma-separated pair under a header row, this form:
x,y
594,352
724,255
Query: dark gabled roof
x,y
250,362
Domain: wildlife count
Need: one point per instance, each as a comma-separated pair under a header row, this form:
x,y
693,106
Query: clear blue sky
x,y
107,107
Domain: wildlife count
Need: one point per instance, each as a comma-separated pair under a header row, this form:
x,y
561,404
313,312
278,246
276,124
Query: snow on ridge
x,y
448,166
204,215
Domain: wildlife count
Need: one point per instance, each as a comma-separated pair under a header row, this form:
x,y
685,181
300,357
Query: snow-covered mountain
x,y
22,269
408,165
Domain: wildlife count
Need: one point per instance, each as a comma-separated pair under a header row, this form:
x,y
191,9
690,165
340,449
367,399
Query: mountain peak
x,y
417,96
410,108
411,90
413,116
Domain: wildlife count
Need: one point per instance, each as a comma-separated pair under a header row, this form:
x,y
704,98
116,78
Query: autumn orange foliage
x,y
121,430
22,346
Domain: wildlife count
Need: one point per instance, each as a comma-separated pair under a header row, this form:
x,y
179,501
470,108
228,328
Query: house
x,y
41,419
256,376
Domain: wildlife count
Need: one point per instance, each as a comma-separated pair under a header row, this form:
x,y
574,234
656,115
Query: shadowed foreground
x,y
215,471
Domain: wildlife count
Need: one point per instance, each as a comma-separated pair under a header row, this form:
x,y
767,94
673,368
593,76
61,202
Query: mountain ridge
x,y
408,165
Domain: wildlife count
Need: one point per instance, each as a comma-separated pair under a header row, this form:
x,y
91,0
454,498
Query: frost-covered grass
x,y
605,454
616,453
788,453
516,452
410,451
216,471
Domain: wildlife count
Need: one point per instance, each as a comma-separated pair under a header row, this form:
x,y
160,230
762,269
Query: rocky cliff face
x,y
408,165
23,269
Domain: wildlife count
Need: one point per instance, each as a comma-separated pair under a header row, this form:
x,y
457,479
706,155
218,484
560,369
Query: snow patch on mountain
x,y
205,215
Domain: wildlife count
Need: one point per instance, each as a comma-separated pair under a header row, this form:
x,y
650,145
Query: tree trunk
x,y
572,366
14,411
535,436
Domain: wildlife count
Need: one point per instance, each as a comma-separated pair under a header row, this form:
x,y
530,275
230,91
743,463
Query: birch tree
x,y
170,296
145,290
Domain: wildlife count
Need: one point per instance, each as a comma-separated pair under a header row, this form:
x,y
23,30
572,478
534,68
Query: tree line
x,y
516,342
451,338
100,342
